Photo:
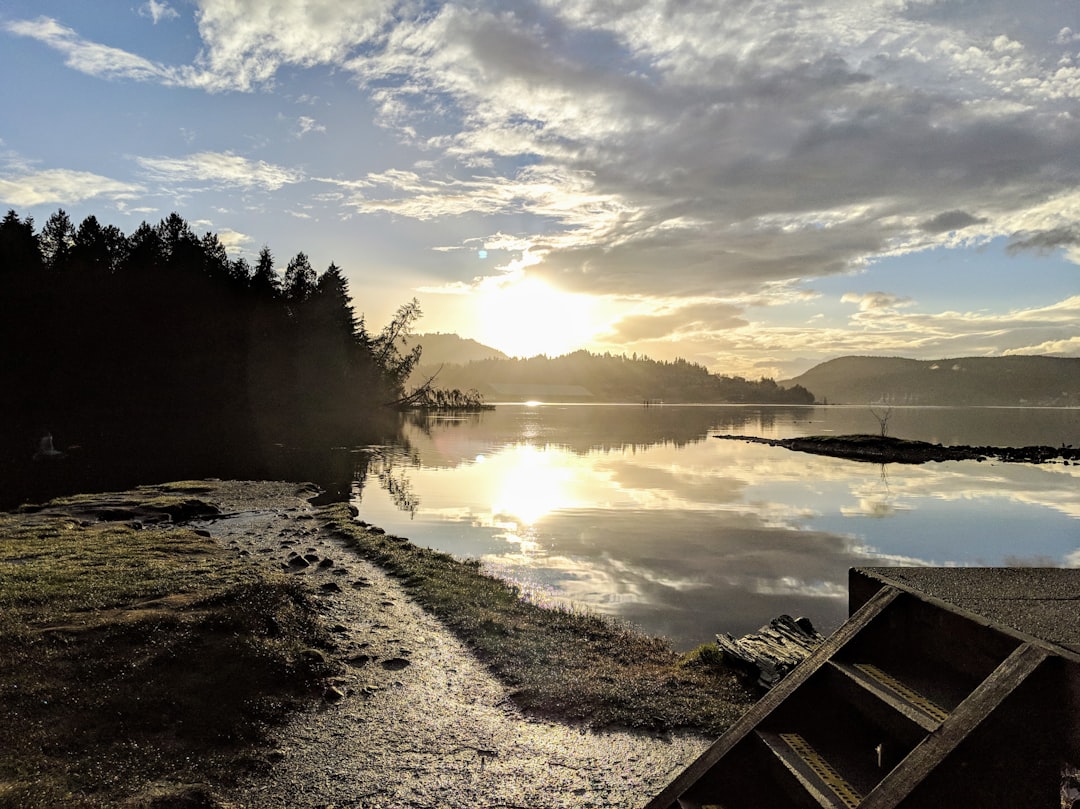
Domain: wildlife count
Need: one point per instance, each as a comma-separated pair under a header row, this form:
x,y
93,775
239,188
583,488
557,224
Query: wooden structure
x,y
774,650
945,687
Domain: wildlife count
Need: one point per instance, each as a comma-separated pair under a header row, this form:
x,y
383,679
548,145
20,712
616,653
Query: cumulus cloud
x,y
219,169
702,149
731,145
248,41
62,187
1066,36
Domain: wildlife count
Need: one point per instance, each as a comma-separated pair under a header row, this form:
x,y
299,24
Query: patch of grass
x,y
133,661
559,663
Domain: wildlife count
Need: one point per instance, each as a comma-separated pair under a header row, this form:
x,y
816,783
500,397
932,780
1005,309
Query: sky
x,y
756,186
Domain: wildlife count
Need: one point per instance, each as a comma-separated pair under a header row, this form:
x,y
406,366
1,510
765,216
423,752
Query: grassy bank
x,y
136,663
563,664
141,664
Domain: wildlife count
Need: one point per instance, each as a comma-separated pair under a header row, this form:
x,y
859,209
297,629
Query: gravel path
x,y
416,721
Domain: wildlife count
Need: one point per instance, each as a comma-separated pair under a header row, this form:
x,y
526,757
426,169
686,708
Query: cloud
x,y
234,241
248,41
1046,241
762,349
677,323
951,220
870,301
561,196
305,124
729,146
702,149
90,57
158,11
1066,36
219,169
1066,347
62,187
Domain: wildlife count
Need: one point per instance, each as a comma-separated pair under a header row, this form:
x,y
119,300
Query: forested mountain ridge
x,y
583,376
969,381
440,349
158,342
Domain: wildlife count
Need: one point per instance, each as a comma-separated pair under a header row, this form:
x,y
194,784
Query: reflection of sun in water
x,y
533,485
528,317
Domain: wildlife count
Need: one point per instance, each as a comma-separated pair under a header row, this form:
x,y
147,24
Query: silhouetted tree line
x,y
158,336
619,378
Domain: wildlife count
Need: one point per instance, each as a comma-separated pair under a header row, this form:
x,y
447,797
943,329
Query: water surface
x,y
640,513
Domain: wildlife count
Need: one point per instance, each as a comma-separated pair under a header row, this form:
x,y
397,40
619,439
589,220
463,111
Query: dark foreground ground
x,y
228,644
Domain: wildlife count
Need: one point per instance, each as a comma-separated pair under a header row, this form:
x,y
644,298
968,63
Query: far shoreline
x,y
886,449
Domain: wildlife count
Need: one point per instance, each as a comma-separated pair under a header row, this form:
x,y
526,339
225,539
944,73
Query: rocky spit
x,y
414,720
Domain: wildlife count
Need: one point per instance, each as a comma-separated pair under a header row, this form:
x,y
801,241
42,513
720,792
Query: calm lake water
x,y
640,513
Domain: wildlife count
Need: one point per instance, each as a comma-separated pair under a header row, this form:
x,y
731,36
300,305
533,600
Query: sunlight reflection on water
x,y
638,513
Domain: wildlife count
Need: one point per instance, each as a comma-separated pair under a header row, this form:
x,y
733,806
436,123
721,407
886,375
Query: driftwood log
x,y
773,650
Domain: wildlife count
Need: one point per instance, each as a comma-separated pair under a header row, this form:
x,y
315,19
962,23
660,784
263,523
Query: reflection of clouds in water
x,y
712,575
791,586
691,544
660,480
869,507
1030,561
457,514
528,548
691,538
1050,486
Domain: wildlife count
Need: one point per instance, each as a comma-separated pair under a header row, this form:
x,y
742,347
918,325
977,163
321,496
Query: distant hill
x,y
582,376
450,348
987,381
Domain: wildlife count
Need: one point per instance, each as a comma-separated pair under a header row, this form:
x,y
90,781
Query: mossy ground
x,y
134,661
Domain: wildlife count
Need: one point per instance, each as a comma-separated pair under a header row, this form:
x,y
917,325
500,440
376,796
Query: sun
x,y
528,317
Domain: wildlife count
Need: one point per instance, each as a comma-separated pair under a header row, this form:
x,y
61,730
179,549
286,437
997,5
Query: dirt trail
x,y
415,720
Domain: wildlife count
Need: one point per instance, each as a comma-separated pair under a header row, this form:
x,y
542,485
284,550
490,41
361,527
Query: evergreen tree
x,y
96,250
57,239
215,258
20,251
299,279
264,281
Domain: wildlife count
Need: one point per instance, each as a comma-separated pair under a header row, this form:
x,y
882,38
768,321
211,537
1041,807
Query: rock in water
x,y
772,651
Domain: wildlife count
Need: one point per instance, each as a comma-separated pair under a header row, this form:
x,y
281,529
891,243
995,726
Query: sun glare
x,y
529,317
533,486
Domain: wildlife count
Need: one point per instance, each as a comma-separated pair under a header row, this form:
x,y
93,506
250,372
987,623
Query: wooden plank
x,y
964,720
925,713
668,799
820,779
